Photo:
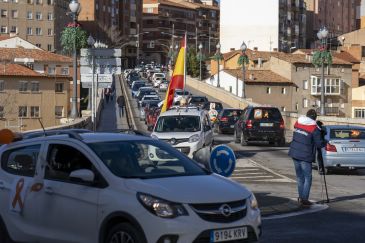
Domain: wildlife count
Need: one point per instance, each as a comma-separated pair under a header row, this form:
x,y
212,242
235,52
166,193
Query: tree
x,y
68,37
193,67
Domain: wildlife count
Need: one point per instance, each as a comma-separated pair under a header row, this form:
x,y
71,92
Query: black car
x,y
226,119
198,101
260,124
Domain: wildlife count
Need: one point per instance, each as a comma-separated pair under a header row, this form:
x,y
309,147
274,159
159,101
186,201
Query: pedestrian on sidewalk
x,y
121,105
306,140
107,94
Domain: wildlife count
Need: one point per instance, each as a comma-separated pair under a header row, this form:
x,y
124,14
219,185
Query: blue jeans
x,y
304,178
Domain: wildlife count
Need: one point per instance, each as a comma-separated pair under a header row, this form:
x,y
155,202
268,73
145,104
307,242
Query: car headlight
x,y
154,136
253,202
194,138
160,207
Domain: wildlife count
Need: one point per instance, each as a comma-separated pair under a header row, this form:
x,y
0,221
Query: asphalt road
x,y
268,170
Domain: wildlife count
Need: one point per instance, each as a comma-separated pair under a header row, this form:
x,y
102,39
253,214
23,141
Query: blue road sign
x,y
222,160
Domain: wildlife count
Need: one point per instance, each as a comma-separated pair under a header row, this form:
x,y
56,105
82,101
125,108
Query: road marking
x,y
251,177
313,209
273,172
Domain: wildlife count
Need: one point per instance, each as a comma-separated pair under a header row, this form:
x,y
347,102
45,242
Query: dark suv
x,y
260,124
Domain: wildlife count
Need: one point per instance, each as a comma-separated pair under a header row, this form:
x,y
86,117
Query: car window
x,y
347,133
232,113
62,160
144,159
21,161
266,113
178,124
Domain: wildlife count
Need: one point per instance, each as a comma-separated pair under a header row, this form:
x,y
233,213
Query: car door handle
x,y
2,185
48,190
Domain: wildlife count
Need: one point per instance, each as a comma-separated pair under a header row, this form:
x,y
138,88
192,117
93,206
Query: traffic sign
x,y
101,52
222,160
101,70
101,78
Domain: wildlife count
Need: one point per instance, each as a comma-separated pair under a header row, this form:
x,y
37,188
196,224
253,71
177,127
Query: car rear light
x,y
330,148
282,125
249,124
224,119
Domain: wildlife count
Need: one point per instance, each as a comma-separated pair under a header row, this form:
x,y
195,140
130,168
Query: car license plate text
x,y
266,124
228,234
354,150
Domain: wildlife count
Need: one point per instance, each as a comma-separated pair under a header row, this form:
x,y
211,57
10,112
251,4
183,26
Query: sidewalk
x,y
110,121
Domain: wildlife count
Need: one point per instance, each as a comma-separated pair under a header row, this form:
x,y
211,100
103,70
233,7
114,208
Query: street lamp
x,y
91,42
218,58
75,8
243,61
322,36
200,56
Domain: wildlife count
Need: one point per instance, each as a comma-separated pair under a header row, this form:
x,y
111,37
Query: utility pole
x,y
196,39
137,45
209,41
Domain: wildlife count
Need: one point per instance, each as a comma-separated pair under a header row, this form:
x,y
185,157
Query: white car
x,y
163,86
105,188
158,81
158,75
187,129
179,94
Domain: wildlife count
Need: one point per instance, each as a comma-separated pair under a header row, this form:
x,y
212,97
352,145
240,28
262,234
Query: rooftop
x,y
258,76
17,70
37,55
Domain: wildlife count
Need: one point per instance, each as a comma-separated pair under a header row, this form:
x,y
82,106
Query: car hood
x,y
191,189
177,135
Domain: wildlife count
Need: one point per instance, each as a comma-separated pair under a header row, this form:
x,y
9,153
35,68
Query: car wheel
x,y
236,139
243,139
123,233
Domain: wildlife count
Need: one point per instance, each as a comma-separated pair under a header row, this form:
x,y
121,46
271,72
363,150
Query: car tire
x,y
236,139
124,232
243,139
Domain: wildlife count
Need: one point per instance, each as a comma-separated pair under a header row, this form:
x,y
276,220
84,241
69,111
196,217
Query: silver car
x,y
345,147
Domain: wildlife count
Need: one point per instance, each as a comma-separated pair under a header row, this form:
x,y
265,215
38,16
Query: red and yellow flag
x,y
177,80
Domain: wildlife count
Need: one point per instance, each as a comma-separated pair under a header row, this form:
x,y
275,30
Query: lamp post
x,y
322,36
218,57
75,8
91,42
243,61
200,56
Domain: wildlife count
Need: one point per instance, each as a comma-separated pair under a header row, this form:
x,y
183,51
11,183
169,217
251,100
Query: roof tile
x,y
259,76
37,55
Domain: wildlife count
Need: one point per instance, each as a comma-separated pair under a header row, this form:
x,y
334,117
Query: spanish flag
x,y
178,77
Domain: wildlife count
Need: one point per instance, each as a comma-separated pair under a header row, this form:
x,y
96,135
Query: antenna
x,y
44,131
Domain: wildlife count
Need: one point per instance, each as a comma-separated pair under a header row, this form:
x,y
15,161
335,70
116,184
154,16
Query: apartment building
x,y
116,23
265,24
339,17
167,21
36,21
33,84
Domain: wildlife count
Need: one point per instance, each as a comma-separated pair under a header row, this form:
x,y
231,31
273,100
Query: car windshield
x,y
145,160
232,113
266,113
178,124
347,133
136,86
180,92
198,99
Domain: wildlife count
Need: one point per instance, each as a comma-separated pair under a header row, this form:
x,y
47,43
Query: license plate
x,y
266,124
232,126
228,234
354,150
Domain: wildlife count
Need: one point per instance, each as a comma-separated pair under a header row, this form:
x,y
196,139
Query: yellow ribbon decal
x,y
17,197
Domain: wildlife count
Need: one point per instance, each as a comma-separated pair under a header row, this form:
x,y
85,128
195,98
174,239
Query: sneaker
x,y
305,203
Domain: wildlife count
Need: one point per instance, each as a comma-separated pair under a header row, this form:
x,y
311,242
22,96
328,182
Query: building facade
x,y
339,17
265,24
167,22
116,23
37,21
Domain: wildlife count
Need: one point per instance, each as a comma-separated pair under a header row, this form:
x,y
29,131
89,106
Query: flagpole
x,y
186,47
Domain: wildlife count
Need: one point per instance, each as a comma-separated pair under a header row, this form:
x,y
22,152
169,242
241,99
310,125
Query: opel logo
x,y
225,210
173,141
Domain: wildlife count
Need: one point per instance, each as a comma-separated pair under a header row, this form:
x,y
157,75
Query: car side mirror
x,y
207,128
83,175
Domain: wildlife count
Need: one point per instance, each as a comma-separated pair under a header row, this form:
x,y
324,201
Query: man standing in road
x,y
121,105
306,140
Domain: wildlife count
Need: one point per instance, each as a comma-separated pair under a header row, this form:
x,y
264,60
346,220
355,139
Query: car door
x,y
18,167
68,207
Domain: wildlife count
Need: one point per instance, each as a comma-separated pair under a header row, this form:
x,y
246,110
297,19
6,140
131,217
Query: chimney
x,y
255,48
275,50
232,49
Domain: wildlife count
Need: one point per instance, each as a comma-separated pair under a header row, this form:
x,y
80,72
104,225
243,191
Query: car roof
x,y
191,111
343,127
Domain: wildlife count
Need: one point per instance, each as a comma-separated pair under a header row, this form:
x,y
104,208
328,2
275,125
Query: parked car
x,y
113,187
226,120
187,129
260,124
345,147
151,117
197,101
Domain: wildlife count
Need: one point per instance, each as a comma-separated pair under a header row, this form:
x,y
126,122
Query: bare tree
x,y
113,34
